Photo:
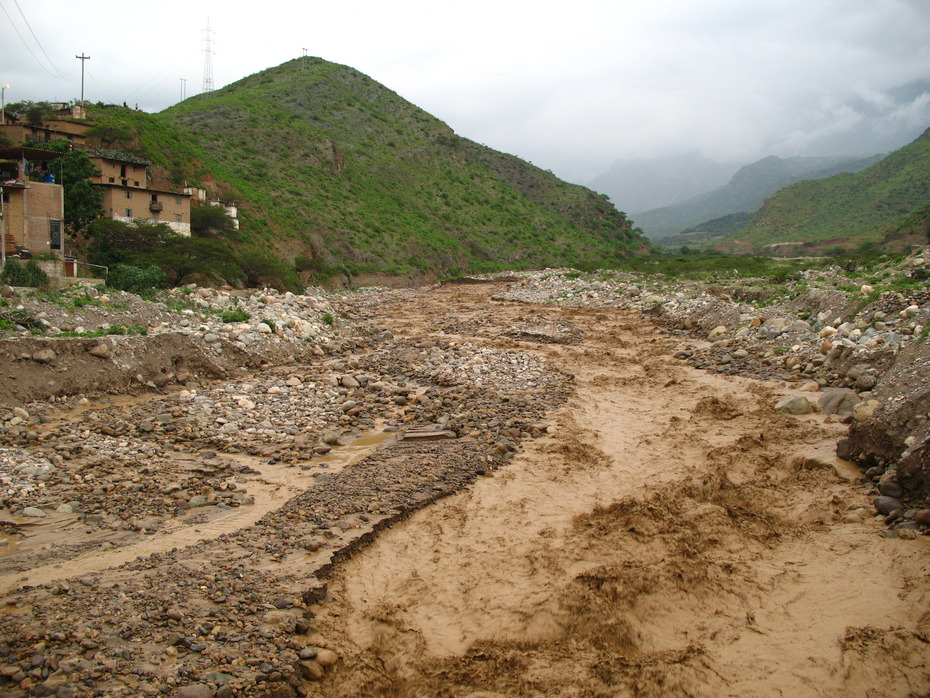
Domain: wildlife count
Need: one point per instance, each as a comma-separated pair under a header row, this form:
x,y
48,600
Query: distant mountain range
x,y
651,191
745,192
641,185
887,203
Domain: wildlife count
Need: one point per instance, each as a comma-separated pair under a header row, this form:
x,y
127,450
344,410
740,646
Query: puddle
x,y
343,456
9,543
826,453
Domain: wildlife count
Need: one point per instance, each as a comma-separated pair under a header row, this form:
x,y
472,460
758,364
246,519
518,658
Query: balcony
x,y
156,206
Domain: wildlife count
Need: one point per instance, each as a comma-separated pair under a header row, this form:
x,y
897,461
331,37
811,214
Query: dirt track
x,y
669,535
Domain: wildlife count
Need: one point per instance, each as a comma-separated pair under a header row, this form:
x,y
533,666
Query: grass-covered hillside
x,y
887,201
325,163
744,193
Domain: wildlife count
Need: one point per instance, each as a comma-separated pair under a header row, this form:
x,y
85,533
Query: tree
x,y
212,222
116,242
111,134
83,201
261,267
183,257
33,113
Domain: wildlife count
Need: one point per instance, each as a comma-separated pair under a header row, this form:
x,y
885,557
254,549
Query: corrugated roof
x,y
20,152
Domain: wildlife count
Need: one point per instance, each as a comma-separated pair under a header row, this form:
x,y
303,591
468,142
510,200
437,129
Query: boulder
x,y
44,356
794,404
101,350
864,410
839,401
885,505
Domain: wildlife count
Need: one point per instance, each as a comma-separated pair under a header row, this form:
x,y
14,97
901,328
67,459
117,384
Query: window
x,y
177,199
178,217
111,180
54,234
6,197
128,213
128,194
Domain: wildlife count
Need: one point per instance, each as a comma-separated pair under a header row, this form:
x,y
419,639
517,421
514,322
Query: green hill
x,y
326,163
848,209
746,191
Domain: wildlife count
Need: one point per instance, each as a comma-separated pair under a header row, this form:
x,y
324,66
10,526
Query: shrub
x,y
30,274
237,315
142,280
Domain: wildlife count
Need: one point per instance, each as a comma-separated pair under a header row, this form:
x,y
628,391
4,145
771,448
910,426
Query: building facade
x,y
127,197
127,204
32,212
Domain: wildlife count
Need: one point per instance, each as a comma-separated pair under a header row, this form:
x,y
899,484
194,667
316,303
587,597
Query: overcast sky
x,y
570,86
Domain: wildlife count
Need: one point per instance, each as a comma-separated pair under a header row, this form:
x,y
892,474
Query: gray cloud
x,y
570,86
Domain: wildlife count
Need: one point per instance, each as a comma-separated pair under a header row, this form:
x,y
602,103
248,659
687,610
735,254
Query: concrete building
x,y
127,204
124,180
68,125
32,212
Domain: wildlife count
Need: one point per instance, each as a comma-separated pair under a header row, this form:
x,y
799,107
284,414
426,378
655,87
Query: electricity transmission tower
x,y
208,58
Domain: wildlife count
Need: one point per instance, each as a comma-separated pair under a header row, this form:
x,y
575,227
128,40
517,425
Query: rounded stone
x,y
885,505
794,404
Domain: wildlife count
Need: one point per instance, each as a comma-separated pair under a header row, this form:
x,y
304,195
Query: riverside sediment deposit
x,y
539,485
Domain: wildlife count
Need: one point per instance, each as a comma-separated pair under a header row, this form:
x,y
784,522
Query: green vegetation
x,y
107,331
848,209
746,191
142,280
144,256
349,178
73,171
33,113
28,274
236,315
9,319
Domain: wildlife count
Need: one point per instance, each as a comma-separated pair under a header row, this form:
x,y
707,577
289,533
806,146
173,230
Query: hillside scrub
x,y
847,209
328,164
132,250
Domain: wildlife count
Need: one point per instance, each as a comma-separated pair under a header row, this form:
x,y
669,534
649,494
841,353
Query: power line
x,y
16,29
38,43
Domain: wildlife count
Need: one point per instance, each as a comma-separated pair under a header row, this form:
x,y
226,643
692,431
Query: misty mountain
x,y
642,185
881,122
886,203
746,191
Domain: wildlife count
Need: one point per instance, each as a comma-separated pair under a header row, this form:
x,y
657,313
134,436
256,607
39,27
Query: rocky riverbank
x,y
173,493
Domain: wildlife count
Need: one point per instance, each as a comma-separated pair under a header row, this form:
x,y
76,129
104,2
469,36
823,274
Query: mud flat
x,y
541,501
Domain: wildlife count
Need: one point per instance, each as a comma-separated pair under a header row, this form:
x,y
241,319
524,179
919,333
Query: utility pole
x,y
3,104
82,58
183,88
